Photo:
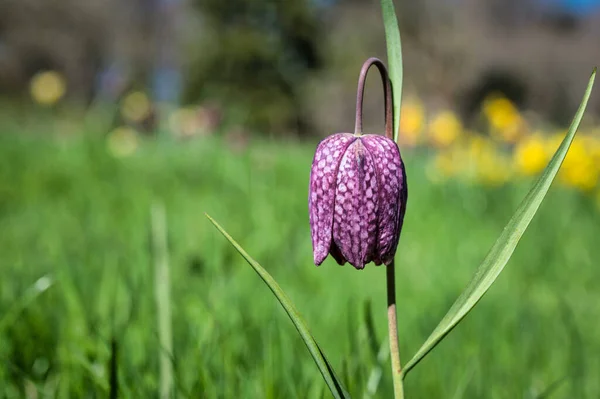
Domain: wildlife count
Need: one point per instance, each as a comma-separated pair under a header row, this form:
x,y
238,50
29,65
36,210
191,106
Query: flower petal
x,y
355,215
392,194
321,192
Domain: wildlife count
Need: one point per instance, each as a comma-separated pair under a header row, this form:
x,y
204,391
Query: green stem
x,y
393,332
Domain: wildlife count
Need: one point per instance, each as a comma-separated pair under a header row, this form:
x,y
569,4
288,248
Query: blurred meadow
x,y
100,298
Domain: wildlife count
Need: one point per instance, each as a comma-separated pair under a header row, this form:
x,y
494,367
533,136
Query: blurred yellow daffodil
x,y
47,87
445,129
412,117
592,143
531,155
479,146
504,118
579,169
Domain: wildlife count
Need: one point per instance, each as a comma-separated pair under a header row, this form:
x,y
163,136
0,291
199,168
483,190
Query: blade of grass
x,y
162,294
394,55
380,353
369,324
577,351
38,288
502,250
332,381
552,388
113,379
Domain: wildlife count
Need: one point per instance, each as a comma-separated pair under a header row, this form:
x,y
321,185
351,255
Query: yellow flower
x,y
135,106
485,163
553,142
122,141
579,169
592,143
444,129
48,87
504,118
412,116
577,153
582,175
478,146
531,155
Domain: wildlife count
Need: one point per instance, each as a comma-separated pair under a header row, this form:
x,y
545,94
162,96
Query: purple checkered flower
x,y
357,199
358,193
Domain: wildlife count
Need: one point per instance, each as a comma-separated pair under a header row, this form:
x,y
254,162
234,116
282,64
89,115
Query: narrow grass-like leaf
x,y
162,293
577,351
380,353
502,250
552,388
113,379
394,55
332,381
38,288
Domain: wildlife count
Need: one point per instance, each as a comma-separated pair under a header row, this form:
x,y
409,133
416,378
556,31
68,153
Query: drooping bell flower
x,y
358,191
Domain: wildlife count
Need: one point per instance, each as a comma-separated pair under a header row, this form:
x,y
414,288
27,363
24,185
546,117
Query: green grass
x,y
70,211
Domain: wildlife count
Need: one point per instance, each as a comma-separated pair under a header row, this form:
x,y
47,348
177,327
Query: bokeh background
x,y
123,121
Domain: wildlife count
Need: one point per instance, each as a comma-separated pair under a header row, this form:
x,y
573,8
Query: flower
x,y
412,116
579,169
47,87
593,146
531,155
504,118
445,128
357,199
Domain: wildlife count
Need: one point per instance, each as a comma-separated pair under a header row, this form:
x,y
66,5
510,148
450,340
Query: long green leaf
x,y
502,250
332,381
394,54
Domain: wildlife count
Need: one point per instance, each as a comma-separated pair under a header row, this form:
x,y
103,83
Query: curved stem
x,y
393,332
387,92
